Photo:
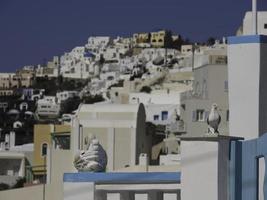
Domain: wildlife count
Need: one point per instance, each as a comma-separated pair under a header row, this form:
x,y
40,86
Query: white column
x,y
170,196
12,138
143,196
79,191
199,177
75,134
113,196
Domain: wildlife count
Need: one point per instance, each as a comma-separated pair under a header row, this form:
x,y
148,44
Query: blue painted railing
x,y
244,168
123,177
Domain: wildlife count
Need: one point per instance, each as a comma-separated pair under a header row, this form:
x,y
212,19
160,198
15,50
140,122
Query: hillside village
x,y
139,96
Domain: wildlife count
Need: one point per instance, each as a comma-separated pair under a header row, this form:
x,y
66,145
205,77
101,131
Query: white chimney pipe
x,y
254,18
12,138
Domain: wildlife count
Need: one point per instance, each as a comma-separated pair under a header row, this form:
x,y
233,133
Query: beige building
x,y
46,136
25,77
6,92
158,38
22,78
120,129
140,38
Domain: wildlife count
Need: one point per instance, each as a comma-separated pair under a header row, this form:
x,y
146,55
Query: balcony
x,y
132,186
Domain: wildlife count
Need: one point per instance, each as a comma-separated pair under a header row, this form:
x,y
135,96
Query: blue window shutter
x,y
164,115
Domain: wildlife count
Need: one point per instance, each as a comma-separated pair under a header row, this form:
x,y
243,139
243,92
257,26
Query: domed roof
x,y
13,112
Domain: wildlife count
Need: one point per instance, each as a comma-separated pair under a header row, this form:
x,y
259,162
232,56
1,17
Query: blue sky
x,y
32,31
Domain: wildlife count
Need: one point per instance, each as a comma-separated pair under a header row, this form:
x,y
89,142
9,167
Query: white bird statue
x,y
93,159
214,119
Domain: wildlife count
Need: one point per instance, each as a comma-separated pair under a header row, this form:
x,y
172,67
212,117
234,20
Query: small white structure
x,y
48,107
247,90
205,167
97,42
12,167
64,95
120,129
261,23
162,106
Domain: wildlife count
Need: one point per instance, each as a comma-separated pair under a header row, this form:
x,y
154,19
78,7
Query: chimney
x,y
12,137
143,160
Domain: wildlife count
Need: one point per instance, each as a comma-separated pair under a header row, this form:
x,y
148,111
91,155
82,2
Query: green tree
x,y
4,186
146,89
168,39
92,99
210,41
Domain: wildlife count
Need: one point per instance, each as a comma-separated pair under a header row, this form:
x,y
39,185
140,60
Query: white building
x,y
119,128
77,64
262,23
12,167
95,43
48,107
162,106
152,53
64,95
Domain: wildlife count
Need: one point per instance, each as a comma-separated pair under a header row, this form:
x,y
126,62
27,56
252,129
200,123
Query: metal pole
x,y
254,18
44,181
193,57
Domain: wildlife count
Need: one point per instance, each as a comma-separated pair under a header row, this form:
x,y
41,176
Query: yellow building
x,y
140,38
158,38
46,135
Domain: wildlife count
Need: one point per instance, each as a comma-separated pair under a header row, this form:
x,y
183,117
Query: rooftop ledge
x,y
246,39
124,178
211,138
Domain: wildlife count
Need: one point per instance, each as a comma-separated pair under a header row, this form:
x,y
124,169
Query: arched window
x,y
44,149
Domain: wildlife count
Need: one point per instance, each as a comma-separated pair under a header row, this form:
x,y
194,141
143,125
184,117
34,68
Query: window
x,y
200,115
44,149
265,26
156,117
164,115
62,142
227,115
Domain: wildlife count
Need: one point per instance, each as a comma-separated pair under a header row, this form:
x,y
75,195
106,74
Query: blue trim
x,y
238,171
246,39
105,178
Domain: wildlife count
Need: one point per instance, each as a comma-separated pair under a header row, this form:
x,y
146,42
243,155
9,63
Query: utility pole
x,y
193,56
254,18
44,179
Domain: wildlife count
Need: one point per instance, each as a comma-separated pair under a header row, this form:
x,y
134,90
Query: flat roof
x,y
246,39
124,178
110,108
211,138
